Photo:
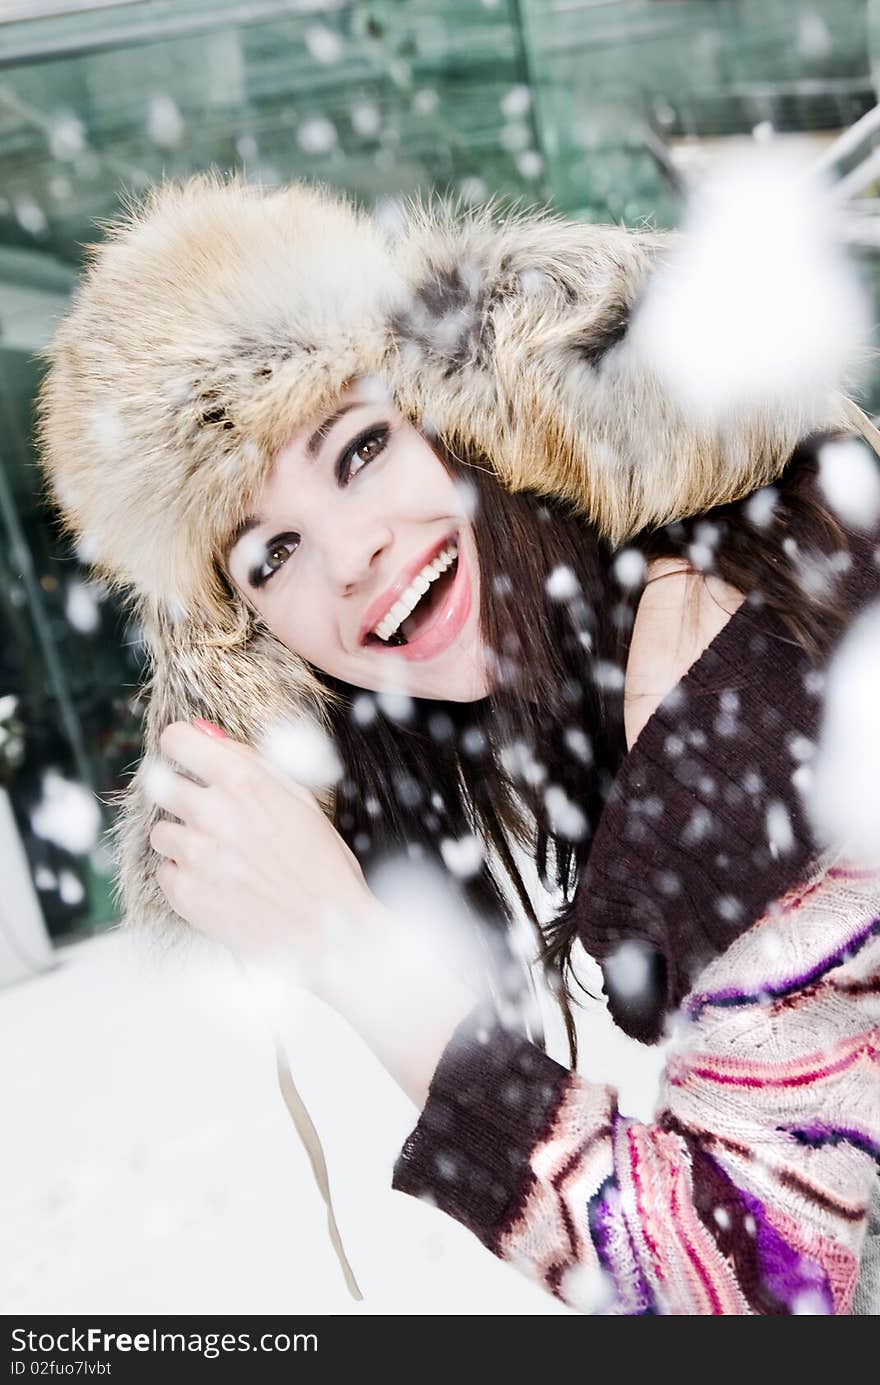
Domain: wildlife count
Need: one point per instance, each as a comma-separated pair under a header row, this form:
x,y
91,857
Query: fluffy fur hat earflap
x,y
217,317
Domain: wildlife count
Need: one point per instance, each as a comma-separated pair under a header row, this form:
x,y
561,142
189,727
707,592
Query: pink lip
x,y
382,605
448,622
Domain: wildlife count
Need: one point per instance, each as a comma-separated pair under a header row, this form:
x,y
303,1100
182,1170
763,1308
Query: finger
x,y
212,759
175,793
299,791
169,839
167,878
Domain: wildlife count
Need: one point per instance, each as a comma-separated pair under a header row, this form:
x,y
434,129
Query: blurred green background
x,y
602,107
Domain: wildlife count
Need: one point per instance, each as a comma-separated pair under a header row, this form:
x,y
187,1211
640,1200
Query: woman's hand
x,y
254,862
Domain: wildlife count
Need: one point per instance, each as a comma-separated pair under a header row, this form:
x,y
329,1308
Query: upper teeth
x,y
407,603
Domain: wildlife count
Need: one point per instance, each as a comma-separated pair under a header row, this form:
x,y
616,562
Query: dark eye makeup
x,y
373,440
377,434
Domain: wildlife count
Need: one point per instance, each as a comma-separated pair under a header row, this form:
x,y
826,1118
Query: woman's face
x,y
361,559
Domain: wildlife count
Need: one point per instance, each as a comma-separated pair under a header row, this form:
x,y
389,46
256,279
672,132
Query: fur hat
x,y
217,317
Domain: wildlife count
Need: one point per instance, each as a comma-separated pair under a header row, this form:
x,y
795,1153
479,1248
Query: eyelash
x,y
378,433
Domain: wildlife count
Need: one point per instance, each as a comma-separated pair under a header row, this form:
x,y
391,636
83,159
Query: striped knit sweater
x,y
749,1192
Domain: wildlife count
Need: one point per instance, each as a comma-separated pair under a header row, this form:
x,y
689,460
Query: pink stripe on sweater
x,y
701,1270
733,1073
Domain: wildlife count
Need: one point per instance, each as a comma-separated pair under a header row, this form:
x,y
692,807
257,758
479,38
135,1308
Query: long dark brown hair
x,y
532,762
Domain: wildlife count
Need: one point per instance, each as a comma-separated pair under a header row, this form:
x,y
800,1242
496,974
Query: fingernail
x,y
210,728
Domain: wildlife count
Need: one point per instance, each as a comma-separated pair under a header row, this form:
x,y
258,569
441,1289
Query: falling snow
x,y
628,969
303,752
70,887
780,832
323,44
463,857
844,786
30,216
165,124
629,567
849,474
66,137
756,308
365,119
82,606
67,814
317,135
562,584
761,506
566,818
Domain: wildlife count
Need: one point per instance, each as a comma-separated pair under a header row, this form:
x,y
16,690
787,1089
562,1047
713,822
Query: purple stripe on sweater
x,y
775,990
605,1217
825,1133
800,1284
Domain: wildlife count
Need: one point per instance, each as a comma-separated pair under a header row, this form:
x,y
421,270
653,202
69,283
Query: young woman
x,y
421,490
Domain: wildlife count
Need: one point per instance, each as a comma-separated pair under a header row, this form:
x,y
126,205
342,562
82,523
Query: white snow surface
x,y
152,1167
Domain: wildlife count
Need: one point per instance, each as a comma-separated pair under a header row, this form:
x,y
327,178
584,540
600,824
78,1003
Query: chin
x,y
470,689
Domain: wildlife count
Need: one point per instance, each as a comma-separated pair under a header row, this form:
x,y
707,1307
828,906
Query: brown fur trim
x,y
217,317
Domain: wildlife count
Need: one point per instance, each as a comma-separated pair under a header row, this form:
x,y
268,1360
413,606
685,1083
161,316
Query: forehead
x,y
306,440
302,446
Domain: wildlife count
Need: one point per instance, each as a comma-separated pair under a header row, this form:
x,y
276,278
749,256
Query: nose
x,y
353,552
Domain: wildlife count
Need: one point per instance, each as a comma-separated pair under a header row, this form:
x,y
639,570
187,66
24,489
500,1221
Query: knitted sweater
x,y
749,1192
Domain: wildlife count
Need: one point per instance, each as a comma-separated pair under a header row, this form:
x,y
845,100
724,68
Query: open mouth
x,y
429,592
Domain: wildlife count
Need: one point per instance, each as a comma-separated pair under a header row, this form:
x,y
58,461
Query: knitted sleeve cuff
x,y
493,1096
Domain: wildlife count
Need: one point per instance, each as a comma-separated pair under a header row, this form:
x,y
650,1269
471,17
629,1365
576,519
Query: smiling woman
x,y
361,549
477,578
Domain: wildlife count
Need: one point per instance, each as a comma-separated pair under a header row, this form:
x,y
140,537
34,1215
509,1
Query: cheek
x,y
302,622
417,479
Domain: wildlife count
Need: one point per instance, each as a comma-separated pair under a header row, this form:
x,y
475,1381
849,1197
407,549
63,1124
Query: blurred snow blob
x,y
849,474
516,102
82,606
66,137
529,163
302,751
164,121
428,931
761,506
324,45
588,1289
843,791
106,429
628,969
157,778
316,135
30,216
562,584
70,888
780,833
756,306
67,814
629,567
566,818
463,857
365,118
395,703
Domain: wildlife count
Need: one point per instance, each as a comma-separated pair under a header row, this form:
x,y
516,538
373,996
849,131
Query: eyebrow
x,y
321,432
312,446
251,522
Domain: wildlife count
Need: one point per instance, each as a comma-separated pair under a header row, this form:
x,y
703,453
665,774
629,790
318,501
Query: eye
x,y
362,450
277,551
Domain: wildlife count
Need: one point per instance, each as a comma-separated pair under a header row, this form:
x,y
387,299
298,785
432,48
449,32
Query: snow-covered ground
x,y
149,1165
